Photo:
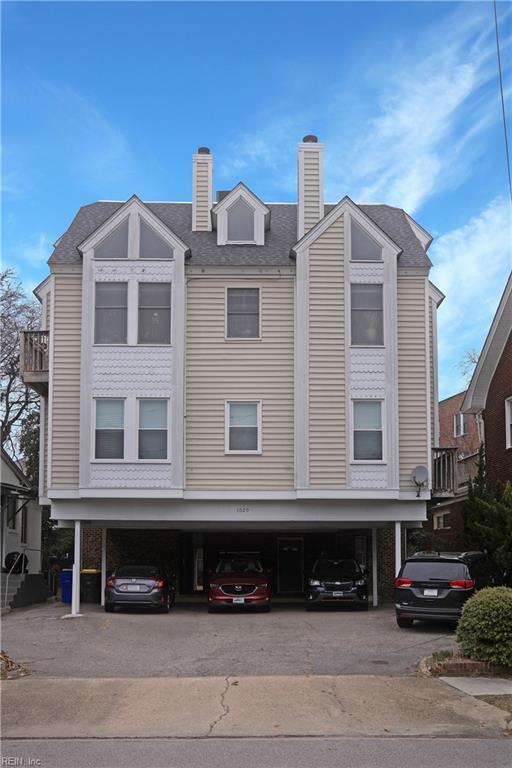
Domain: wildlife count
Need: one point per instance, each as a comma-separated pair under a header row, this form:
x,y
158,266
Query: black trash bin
x,y
90,585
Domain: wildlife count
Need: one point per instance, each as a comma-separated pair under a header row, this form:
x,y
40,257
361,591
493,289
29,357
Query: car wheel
x,y
266,609
404,623
166,607
211,609
109,607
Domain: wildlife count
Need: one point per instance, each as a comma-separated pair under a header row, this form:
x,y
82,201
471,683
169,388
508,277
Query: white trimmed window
x,y
367,322
153,429
240,222
152,246
109,431
460,424
11,506
154,313
243,427
508,423
114,245
362,245
441,521
243,313
110,313
367,433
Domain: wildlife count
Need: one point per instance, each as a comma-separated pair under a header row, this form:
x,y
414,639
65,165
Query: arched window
x,y
240,222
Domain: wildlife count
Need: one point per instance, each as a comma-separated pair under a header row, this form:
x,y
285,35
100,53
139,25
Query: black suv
x,y
435,585
337,580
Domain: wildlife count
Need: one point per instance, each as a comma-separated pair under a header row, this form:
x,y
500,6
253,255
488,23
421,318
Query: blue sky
x,y
102,100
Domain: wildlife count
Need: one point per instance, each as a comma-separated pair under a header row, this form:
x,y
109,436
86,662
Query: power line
x,y
502,100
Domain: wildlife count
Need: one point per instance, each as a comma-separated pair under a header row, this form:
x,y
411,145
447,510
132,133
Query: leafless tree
x,y
467,363
18,312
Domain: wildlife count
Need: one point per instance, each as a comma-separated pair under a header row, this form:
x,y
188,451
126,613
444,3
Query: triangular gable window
x,y
152,246
240,222
363,246
115,245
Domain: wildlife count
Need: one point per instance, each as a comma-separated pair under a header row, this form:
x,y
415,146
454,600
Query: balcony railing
x,y
444,472
34,359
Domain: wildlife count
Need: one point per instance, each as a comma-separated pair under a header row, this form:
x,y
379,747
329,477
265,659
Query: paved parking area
x,y
189,642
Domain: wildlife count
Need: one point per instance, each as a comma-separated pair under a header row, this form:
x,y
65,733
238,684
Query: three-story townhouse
x,y
236,375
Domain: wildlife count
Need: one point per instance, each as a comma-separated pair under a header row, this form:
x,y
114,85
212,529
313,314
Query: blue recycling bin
x,y
66,585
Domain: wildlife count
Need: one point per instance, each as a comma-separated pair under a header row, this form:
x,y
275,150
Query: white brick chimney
x,y
310,184
202,190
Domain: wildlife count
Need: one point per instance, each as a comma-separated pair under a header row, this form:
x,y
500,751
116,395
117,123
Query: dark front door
x,y
290,565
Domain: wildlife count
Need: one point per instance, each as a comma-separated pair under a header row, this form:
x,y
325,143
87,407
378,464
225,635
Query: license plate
x,y
239,599
133,587
430,592
337,594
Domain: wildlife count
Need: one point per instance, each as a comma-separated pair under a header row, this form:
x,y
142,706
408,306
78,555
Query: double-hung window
x,y
367,322
367,430
460,424
243,313
109,432
154,313
243,427
153,429
110,313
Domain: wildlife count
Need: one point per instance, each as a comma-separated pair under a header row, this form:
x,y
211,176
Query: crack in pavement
x,y
225,708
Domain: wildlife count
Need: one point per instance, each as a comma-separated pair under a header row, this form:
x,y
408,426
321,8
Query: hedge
x,y
484,631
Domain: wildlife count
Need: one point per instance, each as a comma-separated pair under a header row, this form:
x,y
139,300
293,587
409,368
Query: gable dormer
x,y
240,218
133,232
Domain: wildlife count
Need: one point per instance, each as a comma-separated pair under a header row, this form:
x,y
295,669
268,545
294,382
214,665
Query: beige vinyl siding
x,y
202,196
431,310
48,312
45,449
327,376
312,161
66,381
413,395
218,370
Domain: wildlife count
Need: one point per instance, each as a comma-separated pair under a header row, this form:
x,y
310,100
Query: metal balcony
x,y
444,473
34,360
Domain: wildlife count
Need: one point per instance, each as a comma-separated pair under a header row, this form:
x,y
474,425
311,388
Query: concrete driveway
x,y
189,642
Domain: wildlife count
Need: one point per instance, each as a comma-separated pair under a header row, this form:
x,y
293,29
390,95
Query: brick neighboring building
x,y
461,431
490,392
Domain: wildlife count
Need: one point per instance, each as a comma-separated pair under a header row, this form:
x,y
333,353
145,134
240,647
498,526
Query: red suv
x,y
239,580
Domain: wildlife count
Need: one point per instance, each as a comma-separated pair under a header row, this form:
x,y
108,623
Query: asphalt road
x,y
262,753
189,642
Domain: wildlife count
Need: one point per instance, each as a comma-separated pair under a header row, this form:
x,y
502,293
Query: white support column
x,y
375,592
398,546
103,563
75,596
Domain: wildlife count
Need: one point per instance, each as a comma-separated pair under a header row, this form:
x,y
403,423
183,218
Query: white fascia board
x,y
133,205
42,288
242,495
435,294
476,395
131,493
332,493
240,191
346,204
423,236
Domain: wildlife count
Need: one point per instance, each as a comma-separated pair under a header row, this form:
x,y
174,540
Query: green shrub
x,y
484,631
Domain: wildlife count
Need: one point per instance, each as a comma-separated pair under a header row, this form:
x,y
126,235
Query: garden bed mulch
x,y
9,669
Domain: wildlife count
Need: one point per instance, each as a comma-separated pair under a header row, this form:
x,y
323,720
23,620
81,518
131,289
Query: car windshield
x,y
239,565
137,572
434,570
334,570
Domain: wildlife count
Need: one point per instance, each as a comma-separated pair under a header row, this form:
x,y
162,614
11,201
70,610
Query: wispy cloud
x,y
472,264
400,129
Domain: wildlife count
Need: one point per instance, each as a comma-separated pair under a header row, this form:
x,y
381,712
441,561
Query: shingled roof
x,y
204,251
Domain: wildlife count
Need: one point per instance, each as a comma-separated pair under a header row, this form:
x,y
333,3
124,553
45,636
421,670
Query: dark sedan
x,y
139,584
337,580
